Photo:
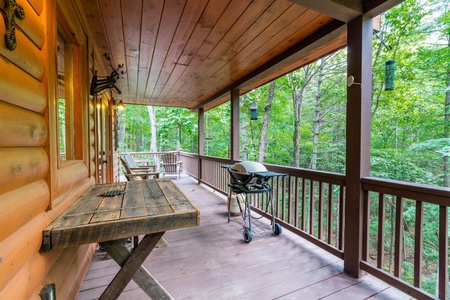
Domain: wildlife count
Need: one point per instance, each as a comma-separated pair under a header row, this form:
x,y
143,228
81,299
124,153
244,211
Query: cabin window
x,y
69,102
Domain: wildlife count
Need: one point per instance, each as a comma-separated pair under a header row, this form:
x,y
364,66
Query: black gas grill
x,y
247,178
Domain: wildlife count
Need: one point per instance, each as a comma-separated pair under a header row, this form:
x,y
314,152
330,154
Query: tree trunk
x,y
243,136
121,122
265,125
297,98
153,138
317,118
446,123
298,86
138,134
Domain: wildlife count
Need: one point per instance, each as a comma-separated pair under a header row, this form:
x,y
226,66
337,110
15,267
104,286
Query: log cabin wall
x,y
36,185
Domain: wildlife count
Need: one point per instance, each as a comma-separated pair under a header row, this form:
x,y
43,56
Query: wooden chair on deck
x,y
134,172
134,166
170,164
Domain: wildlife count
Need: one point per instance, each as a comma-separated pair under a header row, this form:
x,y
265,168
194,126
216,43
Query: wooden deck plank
x,y
211,261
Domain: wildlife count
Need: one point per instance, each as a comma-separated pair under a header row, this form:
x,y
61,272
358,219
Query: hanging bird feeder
x,y
253,111
389,75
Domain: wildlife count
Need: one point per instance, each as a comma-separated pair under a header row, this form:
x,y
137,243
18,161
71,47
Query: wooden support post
x,y
359,38
201,141
234,151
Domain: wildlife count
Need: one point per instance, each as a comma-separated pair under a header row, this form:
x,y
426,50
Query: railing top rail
x,y
323,176
216,159
187,154
147,153
415,191
329,177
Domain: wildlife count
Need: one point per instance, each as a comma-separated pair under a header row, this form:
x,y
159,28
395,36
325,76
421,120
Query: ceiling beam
x,y
374,8
342,10
347,10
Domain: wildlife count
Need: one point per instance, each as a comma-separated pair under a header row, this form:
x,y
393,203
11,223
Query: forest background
x,y
302,115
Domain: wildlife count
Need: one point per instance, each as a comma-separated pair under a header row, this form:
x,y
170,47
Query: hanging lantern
x,y
389,75
253,111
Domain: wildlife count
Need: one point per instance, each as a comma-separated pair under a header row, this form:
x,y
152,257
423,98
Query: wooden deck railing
x,y
308,203
398,257
311,204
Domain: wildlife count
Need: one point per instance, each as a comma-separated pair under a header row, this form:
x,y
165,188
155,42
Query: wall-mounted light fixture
x,y
118,104
253,111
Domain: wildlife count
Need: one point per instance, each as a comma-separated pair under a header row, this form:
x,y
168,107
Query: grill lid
x,y
247,167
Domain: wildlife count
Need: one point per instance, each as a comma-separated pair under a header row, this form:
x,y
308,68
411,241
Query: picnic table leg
x,y
131,268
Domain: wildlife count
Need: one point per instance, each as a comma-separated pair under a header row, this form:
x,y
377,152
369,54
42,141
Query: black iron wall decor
x,y
10,12
108,82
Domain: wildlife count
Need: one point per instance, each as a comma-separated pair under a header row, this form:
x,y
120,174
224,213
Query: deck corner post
x,y
201,141
359,69
234,151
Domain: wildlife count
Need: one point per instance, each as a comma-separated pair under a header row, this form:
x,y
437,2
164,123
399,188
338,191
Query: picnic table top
x,y
119,210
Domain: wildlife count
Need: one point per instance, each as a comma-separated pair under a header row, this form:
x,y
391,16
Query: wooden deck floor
x,y
212,261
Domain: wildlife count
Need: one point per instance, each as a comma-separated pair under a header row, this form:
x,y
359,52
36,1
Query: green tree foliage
x,y
176,129
217,131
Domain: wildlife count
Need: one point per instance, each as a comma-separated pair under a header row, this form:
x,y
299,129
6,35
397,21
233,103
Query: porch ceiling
x,y
190,53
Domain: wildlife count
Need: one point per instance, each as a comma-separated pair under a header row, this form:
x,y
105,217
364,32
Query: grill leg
x,y
247,208
229,204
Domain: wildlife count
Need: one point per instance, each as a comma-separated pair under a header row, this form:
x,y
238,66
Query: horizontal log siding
x,y
20,166
70,176
26,180
26,56
38,6
20,247
21,89
21,127
31,273
76,273
21,205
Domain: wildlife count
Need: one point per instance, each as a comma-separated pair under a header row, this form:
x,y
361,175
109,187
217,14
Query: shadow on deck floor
x,y
212,261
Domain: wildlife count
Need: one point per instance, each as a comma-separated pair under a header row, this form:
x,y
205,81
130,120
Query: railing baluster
x,y
341,218
320,211
304,204
381,217
296,201
443,252
311,207
418,245
330,213
366,225
398,236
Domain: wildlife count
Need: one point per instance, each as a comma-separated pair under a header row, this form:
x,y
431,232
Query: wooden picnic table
x,y
107,213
